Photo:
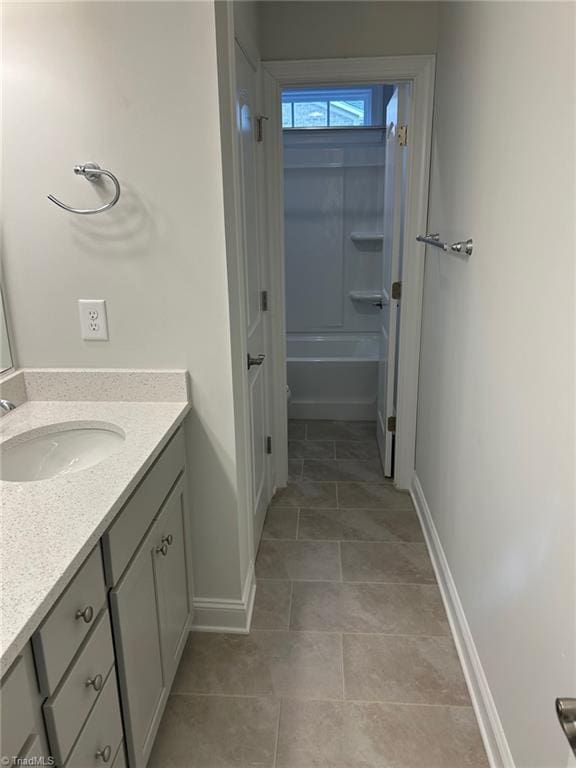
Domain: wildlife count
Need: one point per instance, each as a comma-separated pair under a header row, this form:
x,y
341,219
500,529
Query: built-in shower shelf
x,y
367,236
370,297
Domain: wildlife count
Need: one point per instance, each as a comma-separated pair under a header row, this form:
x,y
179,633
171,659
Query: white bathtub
x,y
333,376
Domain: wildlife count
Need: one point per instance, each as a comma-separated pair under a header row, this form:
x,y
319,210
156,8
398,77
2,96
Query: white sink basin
x,y
57,450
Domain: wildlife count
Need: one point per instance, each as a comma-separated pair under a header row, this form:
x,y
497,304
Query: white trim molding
x,y
493,736
227,615
419,72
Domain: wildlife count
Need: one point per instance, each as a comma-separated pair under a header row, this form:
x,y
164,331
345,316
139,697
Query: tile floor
x,y
350,662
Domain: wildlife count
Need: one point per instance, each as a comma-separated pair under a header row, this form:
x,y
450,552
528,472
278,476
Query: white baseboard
x,y
213,615
498,751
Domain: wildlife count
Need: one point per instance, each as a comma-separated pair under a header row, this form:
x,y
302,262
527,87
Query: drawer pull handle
x,y
168,539
95,682
162,549
87,614
105,753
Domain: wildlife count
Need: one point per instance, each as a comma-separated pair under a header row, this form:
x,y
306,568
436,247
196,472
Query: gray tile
x,y
340,430
303,493
383,561
300,664
295,467
362,470
322,734
366,470
296,430
409,670
297,560
371,496
272,605
319,470
356,449
360,525
311,449
402,609
216,731
280,523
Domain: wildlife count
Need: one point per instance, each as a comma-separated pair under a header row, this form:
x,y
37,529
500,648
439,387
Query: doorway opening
x,y
344,184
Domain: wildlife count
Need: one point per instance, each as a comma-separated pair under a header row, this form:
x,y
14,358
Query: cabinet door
x,y
172,579
135,619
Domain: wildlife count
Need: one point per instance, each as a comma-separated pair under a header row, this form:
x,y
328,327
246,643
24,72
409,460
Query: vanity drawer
x,y
102,734
16,710
66,711
62,633
121,540
120,759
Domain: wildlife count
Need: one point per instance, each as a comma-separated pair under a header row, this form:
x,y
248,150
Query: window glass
x,y
286,115
310,114
332,107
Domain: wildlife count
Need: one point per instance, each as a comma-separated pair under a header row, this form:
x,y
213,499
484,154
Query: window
x,y
331,107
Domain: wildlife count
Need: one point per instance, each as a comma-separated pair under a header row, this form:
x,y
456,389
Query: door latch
x,y
254,360
259,132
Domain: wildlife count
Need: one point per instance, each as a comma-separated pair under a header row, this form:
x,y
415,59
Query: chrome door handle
x,y
566,711
255,360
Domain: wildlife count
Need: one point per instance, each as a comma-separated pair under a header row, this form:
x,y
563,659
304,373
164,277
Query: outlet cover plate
x,y
93,319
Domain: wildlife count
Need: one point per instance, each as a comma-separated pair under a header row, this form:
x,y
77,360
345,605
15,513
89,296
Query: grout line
x,y
352,583
342,660
350,632
320,700
291,604
297,523
343,541
274,763
340,561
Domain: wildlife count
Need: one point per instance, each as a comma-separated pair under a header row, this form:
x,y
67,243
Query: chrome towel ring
x,y
92,172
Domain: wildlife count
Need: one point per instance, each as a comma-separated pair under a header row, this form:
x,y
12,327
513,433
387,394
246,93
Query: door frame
x,y
419,71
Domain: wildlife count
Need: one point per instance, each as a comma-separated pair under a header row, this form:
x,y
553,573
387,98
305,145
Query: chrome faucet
x,y
6,406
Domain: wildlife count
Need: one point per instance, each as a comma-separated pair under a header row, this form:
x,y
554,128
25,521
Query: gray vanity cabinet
x,y
22,733
172,580
150,615
124,616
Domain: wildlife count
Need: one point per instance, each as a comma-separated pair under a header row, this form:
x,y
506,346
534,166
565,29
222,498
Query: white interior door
x,y
394,175
257,364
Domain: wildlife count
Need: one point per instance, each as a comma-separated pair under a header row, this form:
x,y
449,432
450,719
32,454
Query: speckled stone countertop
x,y
48,527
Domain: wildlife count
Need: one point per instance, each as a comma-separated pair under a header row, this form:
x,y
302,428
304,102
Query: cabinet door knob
x,y
87,614
104,754
162,549
95,682
168,539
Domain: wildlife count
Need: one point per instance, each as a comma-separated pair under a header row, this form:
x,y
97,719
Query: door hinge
x,y
397,290
259,128
391,424
264,301
402,135
268,445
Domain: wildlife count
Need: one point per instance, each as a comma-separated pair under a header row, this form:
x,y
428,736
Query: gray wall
x,y
495,443
321,30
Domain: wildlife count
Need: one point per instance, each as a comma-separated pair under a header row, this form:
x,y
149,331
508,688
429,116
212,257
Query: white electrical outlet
x,y
93,319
